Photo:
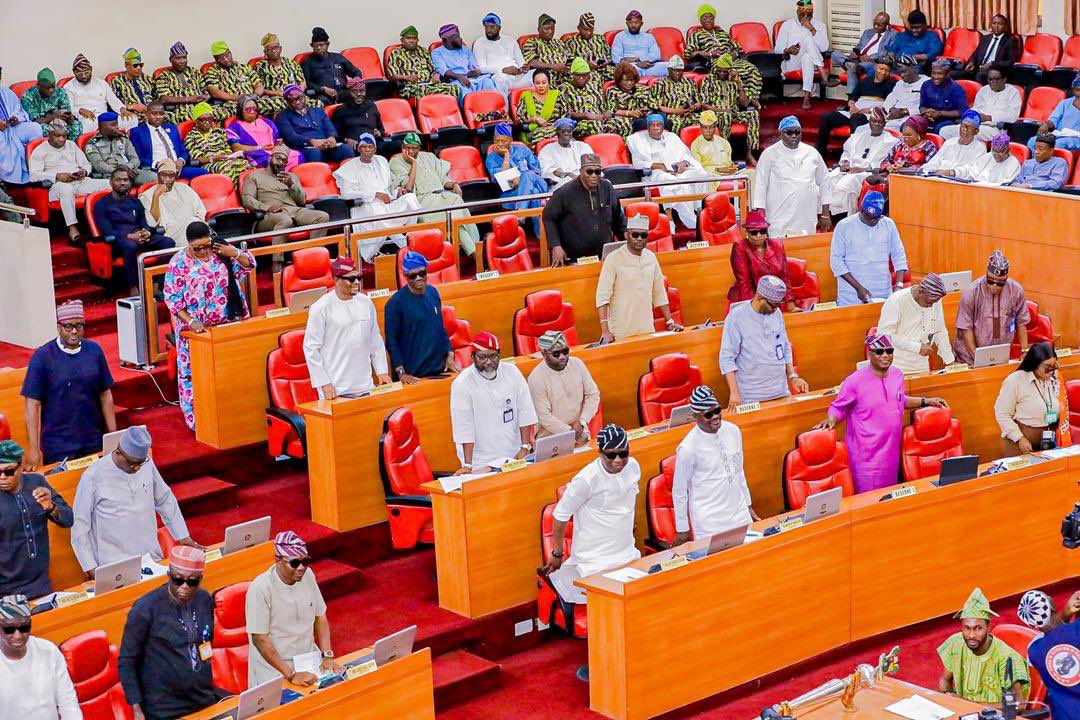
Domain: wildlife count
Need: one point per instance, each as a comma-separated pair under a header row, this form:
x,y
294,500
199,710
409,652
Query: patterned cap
x,y
725,61
58,125
977,607
503,129
491,18
1036,609
14,606
410,31
971,117
655,117
80,62
411,139
292,90
702,398
1075,82
579,66
447,30
178,50
71,310
906,61
413,261
288,544
486,341
873,204
10,452
676,63
638,222
590,160
879,113
772,289
366,139
941,64
342,266
565,122
132,55
544,19
219,47
933,287
165,165
354,82
1000,142
269,39
634,14
612,437
187,559
551,339
790,122
998,264
707,118
587,21
878,341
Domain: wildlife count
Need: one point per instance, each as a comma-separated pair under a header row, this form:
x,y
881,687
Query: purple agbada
x,y
874,410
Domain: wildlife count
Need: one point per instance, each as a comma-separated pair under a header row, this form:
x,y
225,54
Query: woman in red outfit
x,y
754,256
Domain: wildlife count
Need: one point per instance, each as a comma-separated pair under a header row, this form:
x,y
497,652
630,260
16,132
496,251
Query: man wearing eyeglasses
x,y
286,617
116,504
165,655
993,310
342,342
790,177
415,335
36,683
582,215
564,393
68,392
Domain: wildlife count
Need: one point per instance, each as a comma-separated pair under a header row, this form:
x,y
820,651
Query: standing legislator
x,y
709,491
582,215
862,247
563,391
915,322
36,684
790,177
993,310
415,335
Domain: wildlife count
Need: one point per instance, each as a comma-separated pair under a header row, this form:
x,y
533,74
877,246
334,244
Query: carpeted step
x,y
100,316
204,494
64,255
70,275
461,676
87,292
336,578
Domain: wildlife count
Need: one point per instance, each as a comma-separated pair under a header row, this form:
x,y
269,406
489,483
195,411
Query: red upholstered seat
x,y
818,462
224,213
465,163
1072,389
20,88
99,254
438,112
660,236
1070,58
480,102
544,310
397,116
960,44
366,59
91,663
549,607
505,247
804,283
460,336
404,468
971,88
432,244
309,269
610,147
666,386
934,434
1041,101
288,385
316,179
1019,637
5,428
936,139
752,36
1040,328
609,36
1019,151
230,660
1042,50
670,40
660,508
674,306
717,222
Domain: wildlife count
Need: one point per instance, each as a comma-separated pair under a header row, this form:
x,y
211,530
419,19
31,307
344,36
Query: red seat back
x,y
818,462
386,52
803,283
660,235
515,95
1041,101
310,268
91,663
659,505
316,179
20,88
402,461
674,307
216,191
960,44
460,336
366,60
689,134
396,115
480,102
1072,390
83,139
547,533
230,659
970,89
91,203
436,112
1019,151
752,36
610,147
1067,156
934,434
717,221
505,247
433,245
609,37
670,41
1019,637
5,428
936,139
1042,49
666,386
287,379
1070,58
465,163
544,310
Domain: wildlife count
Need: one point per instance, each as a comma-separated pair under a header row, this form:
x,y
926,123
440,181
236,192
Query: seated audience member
x,y
998,167
582,101
755,353
1028,406
547,52
91,96
998,104
912,150
68,391
117,503
590,47
208,146
134,88
1064,122
415,335
110,150
863,153
1044,171
309,130
61,162
563,391
709,491
325,72
789,179
723,93
914,320
1053,649
122,221
993,310
36,682
201,291
368,179
862,248
677,96
873,400
802,40
342,342
227,80
181,87
165,655
942,101
997,48
707,44
491,411
500,57
560,161
918,41
631,284
627,101
46,101
27,505
639,48
428,177
874,44
963,149
870,92
357,115
256,136
582,216
157,140
276,72
456,63
170,206
601,499
278,193
411,67
754,257
666,157
503,156
711,149
903,101
536,108
16,132
975,661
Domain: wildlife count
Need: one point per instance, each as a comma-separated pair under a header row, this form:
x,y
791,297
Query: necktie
x,y
166,142
991,49
871,45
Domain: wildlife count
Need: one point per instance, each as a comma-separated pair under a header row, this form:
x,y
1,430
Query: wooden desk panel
x,y
12,403
64,568
870,703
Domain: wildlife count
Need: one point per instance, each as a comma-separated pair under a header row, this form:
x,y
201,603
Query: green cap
x,y
10,452
411,139
410,32
132,55
219,47
579,66
201,109
46,77
725,61
977,607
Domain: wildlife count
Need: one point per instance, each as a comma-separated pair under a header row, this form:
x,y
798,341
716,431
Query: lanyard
x,y
1049,399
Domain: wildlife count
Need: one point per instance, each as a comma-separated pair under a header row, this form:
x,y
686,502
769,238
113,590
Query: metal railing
x,y
25,212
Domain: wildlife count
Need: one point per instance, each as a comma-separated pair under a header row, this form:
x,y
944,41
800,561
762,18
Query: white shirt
x,y
988,170
668,149
906,96
96,96
862,149
793,33
178,208
358,179
908,324
602,506
46,161
554,156
37,686
709,491
991,48
494,55
788,188
284,612
342,344
1002,107
490,414
952,155
158,142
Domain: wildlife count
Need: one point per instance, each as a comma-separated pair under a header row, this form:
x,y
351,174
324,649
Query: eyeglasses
x,y
996,283
72,327
297,562
12,629
190,582
9,471
710,414
200,248
559,353
638,235
351,278
617,454
135,463
137,64
416,275
883,351
592,171
792,132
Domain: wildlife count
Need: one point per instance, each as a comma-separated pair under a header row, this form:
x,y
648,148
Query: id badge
x,y
779,350
205,651
1050,418
508,415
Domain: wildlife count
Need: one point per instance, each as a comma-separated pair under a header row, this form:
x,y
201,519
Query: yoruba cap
x,y
1000,142
219,47
10,452
342,266
941,64
178,49
411,139
551,339
13,607
655,117
491,18
772,289
46,76
71,310
132,55
1036,609
187,559
707,118
1075,82
565,122
879,113
413,261
998,264
410,31
288,544
725,61
676,63
907,60
292,90
873,204
702,398
447,30
587,21
354,82
579,66
366,139
166,165
280,150
878,341
637,222
80,62
977,607
706,9
789,122
917,123
269,39
544,19
590,160
319,35
933,287
503,129
634,14
971,117
485,341
135,442
612,437
201,109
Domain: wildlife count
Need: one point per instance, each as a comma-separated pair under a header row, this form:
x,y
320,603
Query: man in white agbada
x,y
36,684
998,167
709,491
863,153
172,206
90,96
491,410
601,499
960,150
998,104
116,502
790,176
667,158
560,162
904,100
802,40
342,342
501,57
367,178
915,322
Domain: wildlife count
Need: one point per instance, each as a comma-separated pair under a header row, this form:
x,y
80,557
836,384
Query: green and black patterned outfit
x,y
588,99
668,93
549,52
618,99
594,49
702,41
724,96
417,62
186,84
206,145
140,90
240,79
530,106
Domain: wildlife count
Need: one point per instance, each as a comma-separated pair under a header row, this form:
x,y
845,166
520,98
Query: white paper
x,y
917,707
805,396
450,483
308,662
504,177
156,568
625,574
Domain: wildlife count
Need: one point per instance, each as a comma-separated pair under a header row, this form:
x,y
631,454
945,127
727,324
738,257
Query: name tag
x,y
791,523
1017,463
588,260
81,462
825,306
212,555
277,312
381,292
487,275
959,367
697,245
205,651
677,561
383,389
513,465
363,669
904,492
1063,352
72,599
747,407
637,433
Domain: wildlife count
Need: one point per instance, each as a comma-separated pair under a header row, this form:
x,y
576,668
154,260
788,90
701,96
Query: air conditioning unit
x,y
848,18
131,332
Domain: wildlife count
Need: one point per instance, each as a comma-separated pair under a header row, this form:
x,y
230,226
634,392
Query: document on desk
x,y
917,707
1060,452
450,483
625,574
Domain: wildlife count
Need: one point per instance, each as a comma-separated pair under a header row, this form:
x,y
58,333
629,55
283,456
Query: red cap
x,y
485,341
342,266
755,220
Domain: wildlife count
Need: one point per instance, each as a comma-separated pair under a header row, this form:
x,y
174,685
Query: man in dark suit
x,y
875,41
1000,48
158,140
121,220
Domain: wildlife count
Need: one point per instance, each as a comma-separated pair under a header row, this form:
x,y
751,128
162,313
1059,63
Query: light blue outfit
x,y
757,348
530,182
1066,116
865,251
642,46
1049,175
13,141
460,61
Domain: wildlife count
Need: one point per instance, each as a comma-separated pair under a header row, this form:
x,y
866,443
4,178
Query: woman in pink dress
x,y
255,135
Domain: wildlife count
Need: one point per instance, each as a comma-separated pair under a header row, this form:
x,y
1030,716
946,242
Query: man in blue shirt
x,y
415,335
639,48
1045,171
309,130
918,41
456,63
121,220
862,247
942,101
1056,657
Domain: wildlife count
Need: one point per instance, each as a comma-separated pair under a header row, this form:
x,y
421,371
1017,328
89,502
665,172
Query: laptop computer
x,y
259,699
300,301
822,505
117,575
554,445
610,248
957,469
395,646
991,355
721,541
246,534
680,416
956,281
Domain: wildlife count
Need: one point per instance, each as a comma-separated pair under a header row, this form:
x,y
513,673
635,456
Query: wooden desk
x,y
12,402
870,703
400,690
872,568
64,568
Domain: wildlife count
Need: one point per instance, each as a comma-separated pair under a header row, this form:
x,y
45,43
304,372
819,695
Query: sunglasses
x,y
639,235
200,248
710,414
617,454
137,64
351,278
12,629
559,353
190,582
415,275
593,171
883,351
71,327
297,562
792,132
757,231
9,471
996,283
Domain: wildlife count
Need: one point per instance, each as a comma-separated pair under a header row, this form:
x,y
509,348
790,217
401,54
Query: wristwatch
x,y
527,447
328,654
557,554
